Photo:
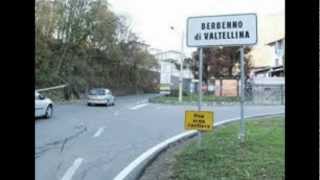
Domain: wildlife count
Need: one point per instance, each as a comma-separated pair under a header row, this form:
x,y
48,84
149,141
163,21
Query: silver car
x,y
43,106
100,96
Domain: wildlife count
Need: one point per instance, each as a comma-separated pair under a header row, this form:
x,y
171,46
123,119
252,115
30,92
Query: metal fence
x,y
265,94
255,93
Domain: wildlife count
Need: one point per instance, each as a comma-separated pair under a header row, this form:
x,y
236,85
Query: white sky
x,y
151,19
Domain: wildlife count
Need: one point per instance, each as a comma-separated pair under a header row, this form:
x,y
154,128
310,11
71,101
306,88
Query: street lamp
x,y
181,64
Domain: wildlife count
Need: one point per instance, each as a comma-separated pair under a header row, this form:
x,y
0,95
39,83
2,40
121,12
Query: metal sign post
x,y
242,125
200,91
223,30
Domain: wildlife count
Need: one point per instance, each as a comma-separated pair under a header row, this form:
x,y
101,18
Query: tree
x,y
83,43
220,62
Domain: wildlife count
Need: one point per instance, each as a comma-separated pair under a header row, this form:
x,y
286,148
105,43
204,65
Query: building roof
x,y
277,67
272,69
259,67
262,70
273,42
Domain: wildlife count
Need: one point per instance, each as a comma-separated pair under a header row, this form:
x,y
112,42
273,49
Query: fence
x,y
55,93
270,91
265,94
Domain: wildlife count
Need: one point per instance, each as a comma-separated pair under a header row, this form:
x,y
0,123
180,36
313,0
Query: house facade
x,y
276,67
169,73
278,51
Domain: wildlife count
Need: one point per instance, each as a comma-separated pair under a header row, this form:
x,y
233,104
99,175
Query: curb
x,y
214,103
134,170
170,102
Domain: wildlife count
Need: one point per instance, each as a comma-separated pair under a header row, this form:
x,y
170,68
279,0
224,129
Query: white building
x,y
276,68
278,51
169,74
268,83
270,28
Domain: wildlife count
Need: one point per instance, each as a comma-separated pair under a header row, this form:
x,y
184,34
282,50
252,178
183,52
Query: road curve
x,y
96,143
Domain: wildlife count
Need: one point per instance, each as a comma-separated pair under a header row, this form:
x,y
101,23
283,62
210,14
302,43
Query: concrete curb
x,y
171,102
134,170
213,103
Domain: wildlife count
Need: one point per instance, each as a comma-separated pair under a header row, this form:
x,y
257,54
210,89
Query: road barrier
x,y
51,88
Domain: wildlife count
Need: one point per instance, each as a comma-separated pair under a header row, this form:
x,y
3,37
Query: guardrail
x,y
51,88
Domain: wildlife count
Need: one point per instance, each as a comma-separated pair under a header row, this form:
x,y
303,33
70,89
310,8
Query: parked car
x,y
43,106
100,96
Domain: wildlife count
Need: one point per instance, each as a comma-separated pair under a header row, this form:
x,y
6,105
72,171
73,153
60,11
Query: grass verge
x,y
195,98
222,157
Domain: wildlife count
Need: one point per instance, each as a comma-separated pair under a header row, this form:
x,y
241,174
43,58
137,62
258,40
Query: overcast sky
x,y
151,19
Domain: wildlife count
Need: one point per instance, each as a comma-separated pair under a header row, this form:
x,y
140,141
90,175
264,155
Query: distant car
x,y
100,96
43,106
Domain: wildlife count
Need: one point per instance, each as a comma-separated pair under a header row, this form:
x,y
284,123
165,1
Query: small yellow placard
x,y
200,120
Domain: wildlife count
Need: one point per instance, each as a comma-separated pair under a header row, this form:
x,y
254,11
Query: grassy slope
x,y
222,157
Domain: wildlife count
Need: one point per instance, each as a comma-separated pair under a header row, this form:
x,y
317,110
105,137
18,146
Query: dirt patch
x,y
161,167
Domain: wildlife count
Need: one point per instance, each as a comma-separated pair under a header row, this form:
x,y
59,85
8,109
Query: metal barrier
x,y
51,88
266,94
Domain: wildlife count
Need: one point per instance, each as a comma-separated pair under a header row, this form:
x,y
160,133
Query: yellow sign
x,y
200,120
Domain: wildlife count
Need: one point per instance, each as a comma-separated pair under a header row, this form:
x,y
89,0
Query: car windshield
x,y
97,92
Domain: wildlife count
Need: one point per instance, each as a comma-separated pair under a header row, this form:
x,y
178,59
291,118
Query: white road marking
x,y
138,106
98,133
76,164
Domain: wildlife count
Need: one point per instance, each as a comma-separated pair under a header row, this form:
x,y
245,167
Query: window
x,y
280,44
97,92
277,62
279,47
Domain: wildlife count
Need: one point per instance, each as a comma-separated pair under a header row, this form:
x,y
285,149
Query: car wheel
x,y
49,112
89,104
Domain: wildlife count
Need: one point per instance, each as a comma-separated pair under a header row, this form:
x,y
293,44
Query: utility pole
x,y
181,65
181,68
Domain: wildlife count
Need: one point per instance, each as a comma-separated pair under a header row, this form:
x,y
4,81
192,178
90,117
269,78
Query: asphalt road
x,y
96,143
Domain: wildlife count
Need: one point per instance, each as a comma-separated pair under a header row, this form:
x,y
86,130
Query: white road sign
x,y
223,30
